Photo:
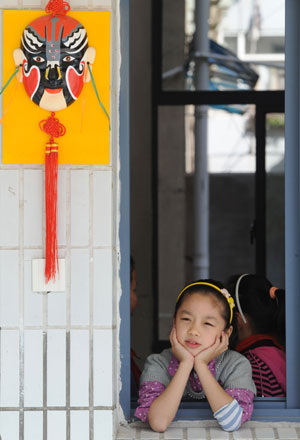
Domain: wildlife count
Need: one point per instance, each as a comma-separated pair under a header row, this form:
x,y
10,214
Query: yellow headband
x,y
223,291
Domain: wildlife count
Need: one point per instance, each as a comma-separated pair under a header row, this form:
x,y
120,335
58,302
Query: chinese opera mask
x,y
54,54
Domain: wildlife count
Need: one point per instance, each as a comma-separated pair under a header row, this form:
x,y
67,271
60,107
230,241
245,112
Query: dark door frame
x,y
260,183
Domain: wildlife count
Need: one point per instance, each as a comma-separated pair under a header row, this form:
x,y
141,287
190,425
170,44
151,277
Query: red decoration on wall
x,y
54,56
57,7
54,129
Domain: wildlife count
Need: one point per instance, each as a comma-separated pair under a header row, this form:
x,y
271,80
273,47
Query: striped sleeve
x,y
266,383
229,416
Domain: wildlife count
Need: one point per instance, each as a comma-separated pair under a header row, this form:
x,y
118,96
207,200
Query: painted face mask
x,y
54,54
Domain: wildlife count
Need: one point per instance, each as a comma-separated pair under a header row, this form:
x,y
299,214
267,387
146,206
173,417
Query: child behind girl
x,y
261,331
199,364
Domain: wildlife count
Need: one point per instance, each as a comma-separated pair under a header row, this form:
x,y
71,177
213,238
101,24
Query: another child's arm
x,y
163,409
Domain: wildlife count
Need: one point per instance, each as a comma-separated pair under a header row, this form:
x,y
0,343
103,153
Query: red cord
x,y
53,128
51,251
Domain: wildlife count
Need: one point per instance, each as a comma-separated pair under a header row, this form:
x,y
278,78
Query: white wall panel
x,y
33,207
103,368
56,368
33,425
102,208
103,287
79,208
33,301
33,368
56,425
9,208
9,368
80,287
104,3
8,3
79,380
31,2
79,3
9,288
103,425
84,223
56,308
9,423
80,425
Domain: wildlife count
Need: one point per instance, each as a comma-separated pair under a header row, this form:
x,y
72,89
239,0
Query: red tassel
x,y
54,128
51,167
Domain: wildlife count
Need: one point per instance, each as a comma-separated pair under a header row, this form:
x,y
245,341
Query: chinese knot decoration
x,y
55,61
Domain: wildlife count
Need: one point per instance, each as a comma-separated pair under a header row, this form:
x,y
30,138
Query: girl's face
x,y
199,322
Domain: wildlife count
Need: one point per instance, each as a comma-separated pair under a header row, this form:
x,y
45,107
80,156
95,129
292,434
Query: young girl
x,y
261,331
199,364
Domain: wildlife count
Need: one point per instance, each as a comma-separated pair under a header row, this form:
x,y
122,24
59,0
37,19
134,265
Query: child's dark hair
x,y
207,290
262,302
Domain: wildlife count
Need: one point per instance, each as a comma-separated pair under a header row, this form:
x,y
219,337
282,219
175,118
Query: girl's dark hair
x,y
267,314
219,297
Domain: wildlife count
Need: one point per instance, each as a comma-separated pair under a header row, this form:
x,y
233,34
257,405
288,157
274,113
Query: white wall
x,y
58,351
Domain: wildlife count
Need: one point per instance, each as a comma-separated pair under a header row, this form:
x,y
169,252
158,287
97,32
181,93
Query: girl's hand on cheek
x,y
179,351
219,346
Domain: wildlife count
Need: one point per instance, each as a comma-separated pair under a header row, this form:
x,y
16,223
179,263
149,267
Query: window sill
x,y
265,409
209,429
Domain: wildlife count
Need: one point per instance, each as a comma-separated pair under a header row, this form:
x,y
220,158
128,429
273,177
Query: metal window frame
x,y
265,102
124,226
265,409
